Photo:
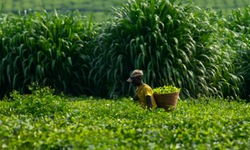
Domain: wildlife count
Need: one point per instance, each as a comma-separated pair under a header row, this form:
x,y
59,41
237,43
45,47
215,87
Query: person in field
x,y
144,93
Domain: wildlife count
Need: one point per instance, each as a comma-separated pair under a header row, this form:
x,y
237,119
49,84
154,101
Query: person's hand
x,y
135,98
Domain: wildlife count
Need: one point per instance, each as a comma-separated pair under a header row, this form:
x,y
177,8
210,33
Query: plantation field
x,y
204,53
99,6
44,121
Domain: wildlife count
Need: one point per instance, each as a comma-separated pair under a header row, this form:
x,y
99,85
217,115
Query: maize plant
x,y
238,23
173,43
50,49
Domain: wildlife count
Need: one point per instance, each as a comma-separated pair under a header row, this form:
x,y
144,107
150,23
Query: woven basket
x,y
167,100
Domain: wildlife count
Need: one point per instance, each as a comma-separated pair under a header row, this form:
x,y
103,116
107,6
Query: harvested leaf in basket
x,y
165,89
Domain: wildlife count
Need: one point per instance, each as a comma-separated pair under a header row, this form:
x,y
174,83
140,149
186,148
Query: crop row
x,y
94,123
200,51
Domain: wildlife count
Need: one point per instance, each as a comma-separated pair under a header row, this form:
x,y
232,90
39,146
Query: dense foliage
x,y
90,123
203,52
239,23
166,89
40,102
172,44
52,50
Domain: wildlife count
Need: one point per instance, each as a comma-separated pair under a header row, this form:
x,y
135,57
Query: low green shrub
x,y
201,51
88,123
39,103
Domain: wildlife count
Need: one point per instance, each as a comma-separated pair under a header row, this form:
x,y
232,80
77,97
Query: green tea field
x,y
63,77
99,7
55,122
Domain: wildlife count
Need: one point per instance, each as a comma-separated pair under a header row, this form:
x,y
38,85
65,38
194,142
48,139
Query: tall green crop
x,y
172,43
238,23
50,49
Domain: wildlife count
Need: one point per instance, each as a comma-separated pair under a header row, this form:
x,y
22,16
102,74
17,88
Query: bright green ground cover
x,y
100,6
202,52
44,121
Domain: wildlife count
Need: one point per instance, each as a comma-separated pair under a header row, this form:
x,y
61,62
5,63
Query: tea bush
x,y
41,102
89,123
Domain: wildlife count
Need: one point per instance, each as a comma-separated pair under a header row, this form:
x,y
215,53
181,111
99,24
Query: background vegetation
x,y
99,7
46,49
203,52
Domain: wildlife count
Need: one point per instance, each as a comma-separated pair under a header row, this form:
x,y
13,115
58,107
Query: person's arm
x,y
135,98
149,101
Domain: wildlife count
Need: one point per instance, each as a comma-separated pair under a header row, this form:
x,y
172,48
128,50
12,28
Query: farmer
x,y
144,93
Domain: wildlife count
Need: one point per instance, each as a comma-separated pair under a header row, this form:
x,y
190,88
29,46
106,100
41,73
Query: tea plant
x,y
40,102
202,51
89,123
